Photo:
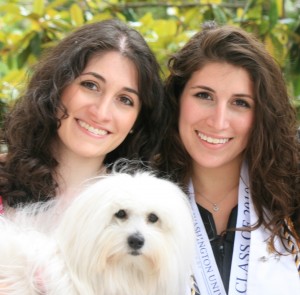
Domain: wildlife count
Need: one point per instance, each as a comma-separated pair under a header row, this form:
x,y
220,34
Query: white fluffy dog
x,y
124,235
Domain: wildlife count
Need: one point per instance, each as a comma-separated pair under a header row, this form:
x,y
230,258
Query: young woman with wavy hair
x,y
232,145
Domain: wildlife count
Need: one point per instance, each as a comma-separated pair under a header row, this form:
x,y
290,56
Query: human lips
x,y
92,129
213,140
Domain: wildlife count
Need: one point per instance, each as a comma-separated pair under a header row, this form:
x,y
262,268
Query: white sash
x,y
206,270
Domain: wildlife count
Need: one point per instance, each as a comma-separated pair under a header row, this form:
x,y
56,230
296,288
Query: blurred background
x,y
29,27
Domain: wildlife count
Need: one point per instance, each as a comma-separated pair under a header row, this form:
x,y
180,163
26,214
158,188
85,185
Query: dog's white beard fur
x,y
108,242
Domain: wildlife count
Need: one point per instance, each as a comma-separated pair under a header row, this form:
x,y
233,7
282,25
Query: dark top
x,y
222,245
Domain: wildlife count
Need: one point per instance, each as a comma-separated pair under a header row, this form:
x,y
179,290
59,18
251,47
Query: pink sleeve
x,y
1,206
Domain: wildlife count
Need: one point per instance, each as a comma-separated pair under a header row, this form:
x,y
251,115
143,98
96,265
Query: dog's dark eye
x,y
152,218
121,214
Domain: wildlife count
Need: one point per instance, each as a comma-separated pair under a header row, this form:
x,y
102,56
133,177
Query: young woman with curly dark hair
x,y
94,98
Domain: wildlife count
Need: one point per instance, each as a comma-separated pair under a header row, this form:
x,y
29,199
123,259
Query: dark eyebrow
x,y
211,90
244,95
99,77
131,90
203,87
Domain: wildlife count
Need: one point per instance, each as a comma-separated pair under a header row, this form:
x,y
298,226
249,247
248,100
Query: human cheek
x,y
184,126
134,119
193,114
248,123
186,108
126,121
72,95
244,128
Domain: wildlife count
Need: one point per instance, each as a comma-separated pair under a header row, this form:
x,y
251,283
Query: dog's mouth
x,y
135,253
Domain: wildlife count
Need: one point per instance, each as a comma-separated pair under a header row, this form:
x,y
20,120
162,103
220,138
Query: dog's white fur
x,y
108,242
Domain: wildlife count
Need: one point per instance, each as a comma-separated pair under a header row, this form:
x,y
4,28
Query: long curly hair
x,y
27,174
273,150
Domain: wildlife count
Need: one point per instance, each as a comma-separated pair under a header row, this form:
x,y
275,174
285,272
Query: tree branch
x,y
181,5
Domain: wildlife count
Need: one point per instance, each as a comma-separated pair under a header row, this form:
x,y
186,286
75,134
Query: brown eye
x,y
242,103
89,85
203,95
121,214
152,218
126,100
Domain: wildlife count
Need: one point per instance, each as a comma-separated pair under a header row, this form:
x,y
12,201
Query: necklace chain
x,y
216,206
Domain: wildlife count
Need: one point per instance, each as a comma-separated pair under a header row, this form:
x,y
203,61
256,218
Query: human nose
x,y
219,117
102,109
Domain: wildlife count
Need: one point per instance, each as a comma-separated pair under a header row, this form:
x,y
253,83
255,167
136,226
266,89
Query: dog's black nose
x,y
136,241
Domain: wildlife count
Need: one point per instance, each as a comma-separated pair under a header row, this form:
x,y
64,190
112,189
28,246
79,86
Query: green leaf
x,y
38,7
11,84
76,15
147,20
164,28
253,10
9,9
296,84
273,13
57,3
219,14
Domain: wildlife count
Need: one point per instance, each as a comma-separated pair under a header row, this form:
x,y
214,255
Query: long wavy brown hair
x,y
30,128
273,150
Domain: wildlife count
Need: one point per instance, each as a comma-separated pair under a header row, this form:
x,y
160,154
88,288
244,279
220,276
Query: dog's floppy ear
x,y
79,232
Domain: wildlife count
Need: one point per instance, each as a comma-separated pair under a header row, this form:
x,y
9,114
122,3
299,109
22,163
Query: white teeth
x,y
91,129
212,140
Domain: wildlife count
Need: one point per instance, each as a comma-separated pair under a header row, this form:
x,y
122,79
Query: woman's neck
x,y
216,189
215,181
74,171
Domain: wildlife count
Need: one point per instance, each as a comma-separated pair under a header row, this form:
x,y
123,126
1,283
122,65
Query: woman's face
x,y
103,104
216,115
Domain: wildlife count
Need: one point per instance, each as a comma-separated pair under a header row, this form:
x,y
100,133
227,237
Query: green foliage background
x,y
29,27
